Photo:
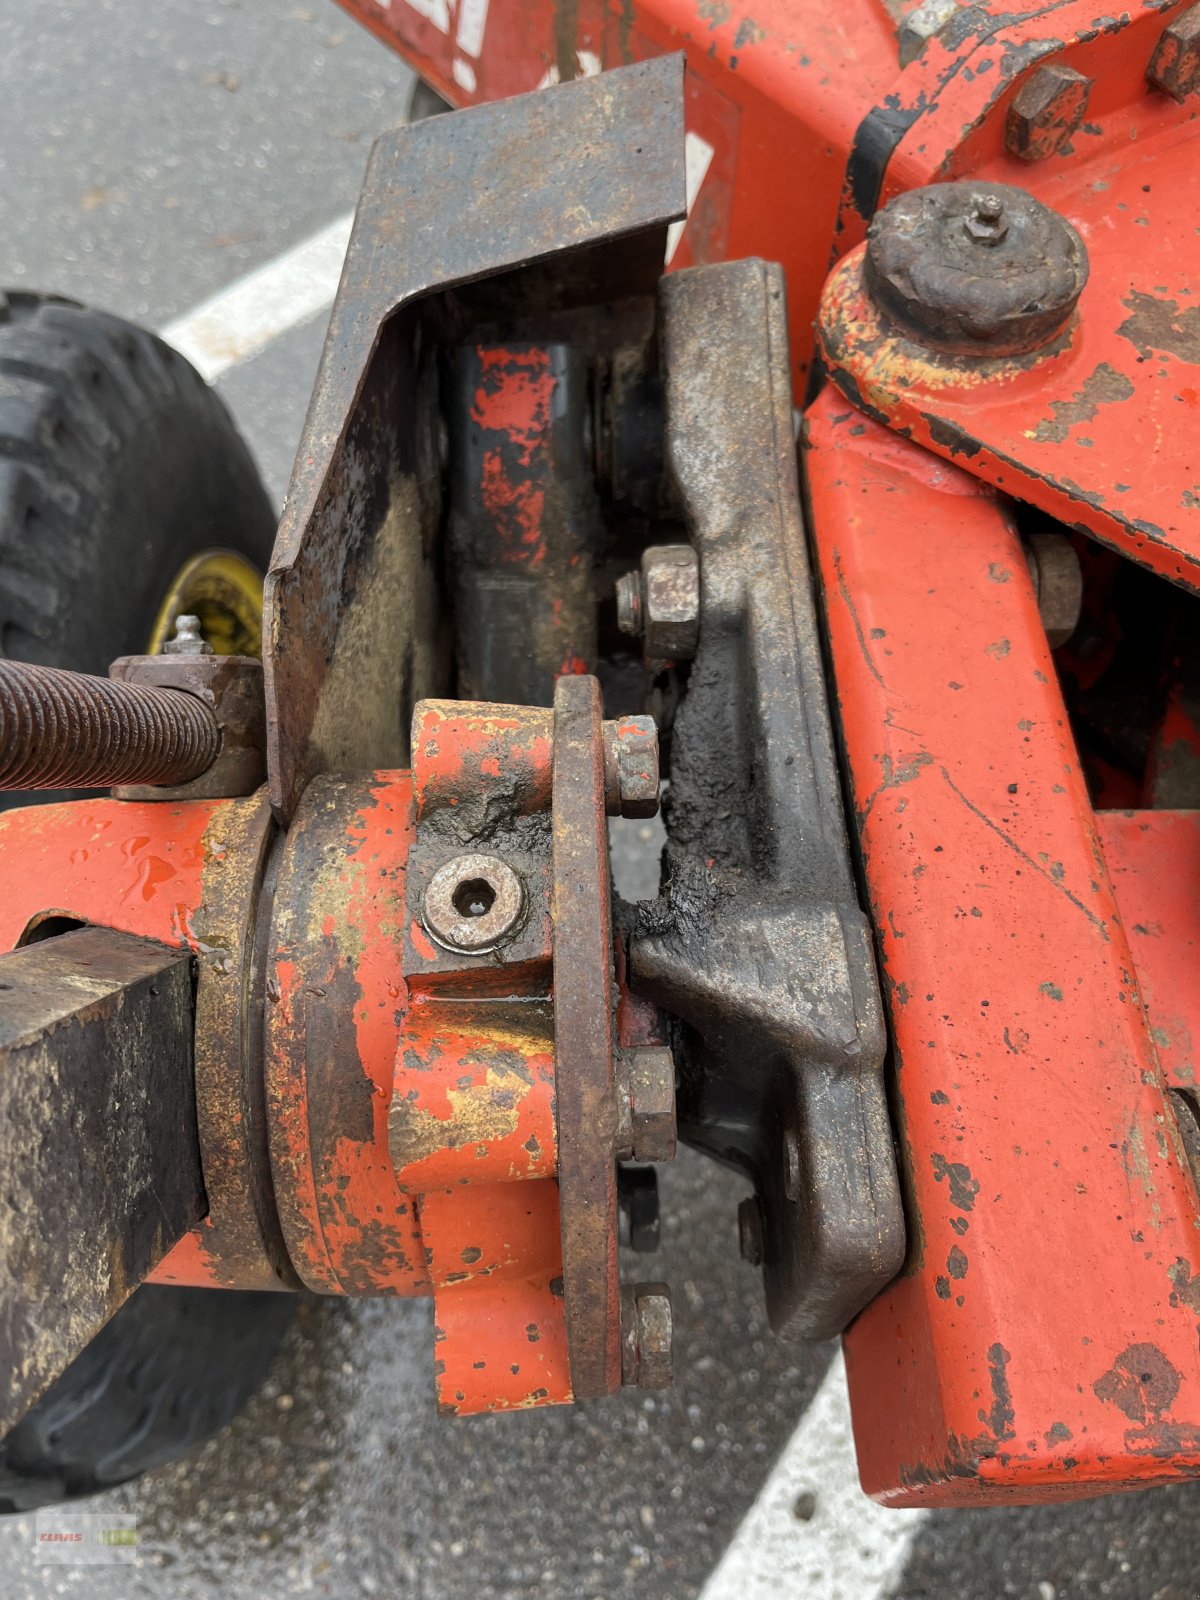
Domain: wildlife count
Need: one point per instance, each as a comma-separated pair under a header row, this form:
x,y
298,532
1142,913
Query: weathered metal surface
x,y
1026,1081
472,1121
232,686
854,111
61,730
593,169
239,1244
975,270
760,947
98,1133
335,1008
525,524
583,1041
1070,429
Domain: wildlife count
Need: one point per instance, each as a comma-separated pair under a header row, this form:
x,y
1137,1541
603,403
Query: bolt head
x,y
921,24
473,903
1175,65
1048,108
750,1230
646,1336
647,1082
671,602
631,766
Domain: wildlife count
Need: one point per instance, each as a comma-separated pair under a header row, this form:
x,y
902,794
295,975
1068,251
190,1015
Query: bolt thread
x,y
65,730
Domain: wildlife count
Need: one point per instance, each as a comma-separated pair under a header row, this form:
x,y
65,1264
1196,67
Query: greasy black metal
x,y
566,196
759,946
98,1143
233,687
933,269
584,990
525,527
66,730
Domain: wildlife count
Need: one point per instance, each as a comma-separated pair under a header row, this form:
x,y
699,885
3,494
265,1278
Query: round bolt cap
x,y
1046,111
928,269
1175,64
646,1336
472,903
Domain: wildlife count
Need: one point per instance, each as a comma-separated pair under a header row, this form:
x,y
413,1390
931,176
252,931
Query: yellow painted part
x,y
225,591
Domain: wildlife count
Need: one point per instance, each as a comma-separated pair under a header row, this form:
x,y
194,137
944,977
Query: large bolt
x,y
646,1330
1175,65
631,767
661,602
473,903
66,730
188,640
1046,111
927,273
645,1104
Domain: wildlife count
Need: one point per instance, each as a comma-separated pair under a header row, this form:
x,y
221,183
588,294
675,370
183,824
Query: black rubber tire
x,y
117,463
172,1367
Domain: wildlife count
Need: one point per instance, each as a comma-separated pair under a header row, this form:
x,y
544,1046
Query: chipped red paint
x,y
513,406
1071,430
1052,1218
453,751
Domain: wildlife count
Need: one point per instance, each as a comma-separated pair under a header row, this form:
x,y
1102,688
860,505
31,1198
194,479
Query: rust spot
x,y
999,1419
956,1263
1141,1382
1058,1433
1105,386
1160,325
963,1187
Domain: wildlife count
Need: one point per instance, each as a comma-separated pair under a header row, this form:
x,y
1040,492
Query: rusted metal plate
x,y
760,946
567,196
98,1140
583,1041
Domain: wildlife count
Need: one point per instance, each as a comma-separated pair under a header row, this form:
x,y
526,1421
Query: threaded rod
x,y
65,730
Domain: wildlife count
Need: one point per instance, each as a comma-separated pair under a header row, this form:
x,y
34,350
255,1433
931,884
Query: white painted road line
x,y
812,1532
242,319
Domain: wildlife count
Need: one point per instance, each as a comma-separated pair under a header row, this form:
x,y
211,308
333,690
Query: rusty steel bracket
x,y
98,1140
566,198
759,945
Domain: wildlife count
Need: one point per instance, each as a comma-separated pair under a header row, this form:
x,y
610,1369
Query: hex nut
x,y
670,602
1175,65
923,23
629,603
1053,564
472,904
1046,111
646,1336
928,274
233,687
750,1230
646,1104
631,767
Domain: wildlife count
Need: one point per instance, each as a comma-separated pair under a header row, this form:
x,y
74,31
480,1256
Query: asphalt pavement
x,y
151,153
